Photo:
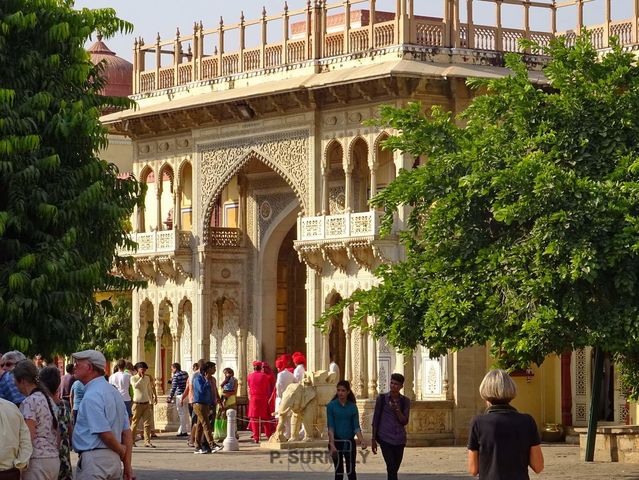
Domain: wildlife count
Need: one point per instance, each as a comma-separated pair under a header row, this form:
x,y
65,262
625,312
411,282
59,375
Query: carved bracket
x,y
336,255
311,255
145,268
362,253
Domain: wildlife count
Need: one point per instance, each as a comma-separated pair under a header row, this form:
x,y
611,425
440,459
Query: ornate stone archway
x,y
287,153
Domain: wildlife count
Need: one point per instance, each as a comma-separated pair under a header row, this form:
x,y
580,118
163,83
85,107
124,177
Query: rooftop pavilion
x,y
322,31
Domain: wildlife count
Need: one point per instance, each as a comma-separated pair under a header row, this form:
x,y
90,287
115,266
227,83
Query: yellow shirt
x,y
15,447
142,391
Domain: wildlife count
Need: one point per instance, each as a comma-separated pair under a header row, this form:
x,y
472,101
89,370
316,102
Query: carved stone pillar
x,y
348,360
158,357
326,348
448,373
325,194
177,210
348,188
136,327
177,350
201,327
158,218
404,365
372,364
363,363
242,213
140,354
140,219
242,361
373,169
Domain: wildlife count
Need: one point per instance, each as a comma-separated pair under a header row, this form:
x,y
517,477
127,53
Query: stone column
x,y
373,169
348,360
201,328
136,325
470,32
325,194
158,217
363,363
242,213
140,219
158,327
314,339
177,210
448,375
326,347
177,349
372,364
242,361
404,365
348,188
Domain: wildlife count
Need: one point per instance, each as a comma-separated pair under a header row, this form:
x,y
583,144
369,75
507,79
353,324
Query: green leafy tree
x,y
524,228
109,329
63,210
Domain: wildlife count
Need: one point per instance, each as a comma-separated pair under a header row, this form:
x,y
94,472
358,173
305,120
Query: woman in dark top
x,y
502,443
389,425
343,425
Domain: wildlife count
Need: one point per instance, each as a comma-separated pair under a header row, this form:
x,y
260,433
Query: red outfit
x,y
259,385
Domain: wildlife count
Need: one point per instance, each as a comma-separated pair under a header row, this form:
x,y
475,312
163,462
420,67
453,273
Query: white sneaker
x,y
217,448
201,451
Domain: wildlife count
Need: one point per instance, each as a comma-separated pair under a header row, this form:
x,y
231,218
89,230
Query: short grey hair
x,y
497,387
13,356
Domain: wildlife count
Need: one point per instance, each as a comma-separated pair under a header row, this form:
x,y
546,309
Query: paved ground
x,y
173,460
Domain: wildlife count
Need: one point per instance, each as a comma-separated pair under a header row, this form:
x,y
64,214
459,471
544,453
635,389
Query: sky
x,y
152,16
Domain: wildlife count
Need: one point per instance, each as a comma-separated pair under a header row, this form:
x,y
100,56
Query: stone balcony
x,y
225,237
339,239
166,253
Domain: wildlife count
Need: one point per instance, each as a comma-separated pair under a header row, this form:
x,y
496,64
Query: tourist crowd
x,y
44,416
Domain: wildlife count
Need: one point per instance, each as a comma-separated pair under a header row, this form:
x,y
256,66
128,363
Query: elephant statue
x,y
306,401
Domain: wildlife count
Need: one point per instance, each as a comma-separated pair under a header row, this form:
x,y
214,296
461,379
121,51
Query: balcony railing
x,y
225,237
343,226
323,30
163,241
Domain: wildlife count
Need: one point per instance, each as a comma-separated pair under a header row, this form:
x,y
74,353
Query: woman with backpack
x,y
389,425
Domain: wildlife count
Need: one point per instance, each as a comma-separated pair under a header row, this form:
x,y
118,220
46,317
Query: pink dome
x,y
119,72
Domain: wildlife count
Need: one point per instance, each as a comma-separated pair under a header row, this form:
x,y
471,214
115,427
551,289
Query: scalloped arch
x,y
241,161
144,173
183,164
327,150
377,143
354,142
168,169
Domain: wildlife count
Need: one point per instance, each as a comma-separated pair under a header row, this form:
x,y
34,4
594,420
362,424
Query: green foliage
x,y
524,229
109,329
62,208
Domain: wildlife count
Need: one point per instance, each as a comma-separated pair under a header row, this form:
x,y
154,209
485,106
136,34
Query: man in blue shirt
x,y
101,436
8,389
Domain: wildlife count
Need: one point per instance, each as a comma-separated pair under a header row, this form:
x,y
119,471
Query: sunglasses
x,y
7,364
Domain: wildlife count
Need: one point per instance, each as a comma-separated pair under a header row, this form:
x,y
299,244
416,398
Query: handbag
x,y
219,427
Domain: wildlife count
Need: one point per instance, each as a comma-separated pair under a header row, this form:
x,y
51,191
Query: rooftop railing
x,y
323,30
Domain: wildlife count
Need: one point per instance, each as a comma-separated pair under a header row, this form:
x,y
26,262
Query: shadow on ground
x,y
144,474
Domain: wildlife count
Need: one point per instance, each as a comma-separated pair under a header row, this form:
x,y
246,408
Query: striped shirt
x,y
178,383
